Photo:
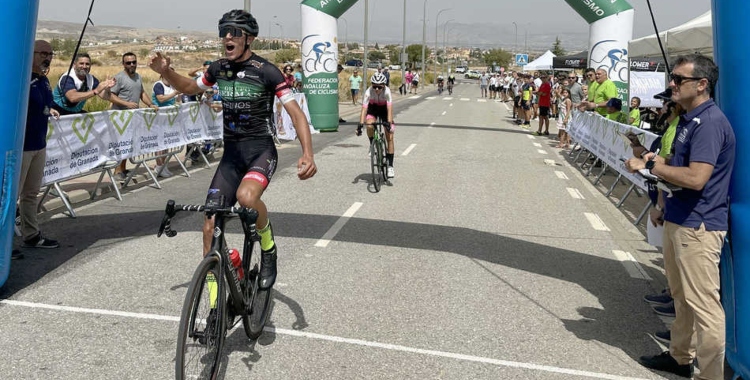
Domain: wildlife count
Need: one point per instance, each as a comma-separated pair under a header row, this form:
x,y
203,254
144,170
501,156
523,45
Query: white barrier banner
x,y
284,126
646,84
606,139
78,143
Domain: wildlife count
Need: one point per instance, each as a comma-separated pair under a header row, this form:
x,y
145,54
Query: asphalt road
x,y
489,257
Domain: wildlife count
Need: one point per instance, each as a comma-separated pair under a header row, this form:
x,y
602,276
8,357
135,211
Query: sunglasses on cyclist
x,y
233,30
377,87
678,79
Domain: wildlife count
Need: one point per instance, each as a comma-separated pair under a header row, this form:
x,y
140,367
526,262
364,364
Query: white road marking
x,y
574,193
430,97
531,137
415,97
337,339
409,149
538,145
448,98
465,99
506,107
542,151
450,105
482,100
431,124
323,242
632,266
443,114
561,175
550,162
596,222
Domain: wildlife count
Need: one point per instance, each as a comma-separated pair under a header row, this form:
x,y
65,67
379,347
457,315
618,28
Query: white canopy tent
x,y
694,36
544,62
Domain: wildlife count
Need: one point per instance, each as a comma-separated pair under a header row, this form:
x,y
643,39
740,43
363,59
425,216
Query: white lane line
x,y
443,114
550,162
465,99
574,193
632,266
431,124
506,106
448,98
409,149
531,137
561,175
450,105
430,97
337,339
323,242
482,100
538,145
542,151
596,222
415,97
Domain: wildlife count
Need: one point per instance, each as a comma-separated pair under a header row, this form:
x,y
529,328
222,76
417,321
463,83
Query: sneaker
x,y
667,311
16,255
665,362
40,241
662,299
390,172
664,336
169,173
537,133
546,133
342,120
162,171
268,268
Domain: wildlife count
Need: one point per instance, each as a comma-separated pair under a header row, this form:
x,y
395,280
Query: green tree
x,y
376,46
557,48
376,55
394,52
414,52
286,55
499,56
143,53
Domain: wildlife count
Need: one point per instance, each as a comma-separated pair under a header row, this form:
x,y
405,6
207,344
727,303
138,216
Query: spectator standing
x,y
298,74
565,108
289,76
408,77
695,220
544,95
355,84
35,149
614,111
126,94
387,75
575,89
634,118
163,95
484,81
415,81
78,86
604,91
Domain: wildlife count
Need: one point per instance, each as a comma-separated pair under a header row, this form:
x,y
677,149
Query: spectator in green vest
x,y
634,118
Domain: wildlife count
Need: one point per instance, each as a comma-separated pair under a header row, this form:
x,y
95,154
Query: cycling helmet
x,y
378,78
242,20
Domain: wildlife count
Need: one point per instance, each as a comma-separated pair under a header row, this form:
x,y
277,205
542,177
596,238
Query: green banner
x,y
595,10
322,91
334,8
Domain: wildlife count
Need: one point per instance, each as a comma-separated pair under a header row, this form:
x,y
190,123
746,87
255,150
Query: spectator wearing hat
x,y
614,111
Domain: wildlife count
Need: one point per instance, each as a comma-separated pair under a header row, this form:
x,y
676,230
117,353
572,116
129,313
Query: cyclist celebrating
x,y
248,85
377,103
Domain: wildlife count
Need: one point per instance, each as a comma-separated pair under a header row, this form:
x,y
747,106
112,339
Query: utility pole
x,y
424,37
403,49
247,6
364,56
434,68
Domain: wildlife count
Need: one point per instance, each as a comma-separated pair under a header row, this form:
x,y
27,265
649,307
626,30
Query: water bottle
x,y
234,255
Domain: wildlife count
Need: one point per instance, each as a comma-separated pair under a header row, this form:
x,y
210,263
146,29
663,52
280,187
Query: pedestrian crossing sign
x,y
522,59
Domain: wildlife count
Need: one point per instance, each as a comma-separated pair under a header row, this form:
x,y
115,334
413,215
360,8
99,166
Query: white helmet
x,y
378,78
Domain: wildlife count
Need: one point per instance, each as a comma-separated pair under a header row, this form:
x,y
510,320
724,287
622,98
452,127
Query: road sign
x,y
522,59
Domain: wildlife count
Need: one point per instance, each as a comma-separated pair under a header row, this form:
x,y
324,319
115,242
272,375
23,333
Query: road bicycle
x,y
440,87
208,312
378,161
450,88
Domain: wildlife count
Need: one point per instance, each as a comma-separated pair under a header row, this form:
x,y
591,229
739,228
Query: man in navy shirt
x,y
35,148
695,220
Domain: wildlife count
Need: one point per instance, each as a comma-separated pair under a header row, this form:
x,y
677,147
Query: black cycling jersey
x,y
247,94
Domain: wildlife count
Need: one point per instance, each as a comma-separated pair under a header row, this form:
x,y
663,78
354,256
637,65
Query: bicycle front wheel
x,y
202,324
383,148
375,157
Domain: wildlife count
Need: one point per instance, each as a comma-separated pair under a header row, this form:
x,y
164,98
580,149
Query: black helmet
x,y
240,19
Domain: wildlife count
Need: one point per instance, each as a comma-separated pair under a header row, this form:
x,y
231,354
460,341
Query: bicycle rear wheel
x,y
375,158
258,299
202,324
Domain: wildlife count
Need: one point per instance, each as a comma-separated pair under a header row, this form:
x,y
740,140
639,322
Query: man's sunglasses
x,y
233,30
377,87
128,63
678,79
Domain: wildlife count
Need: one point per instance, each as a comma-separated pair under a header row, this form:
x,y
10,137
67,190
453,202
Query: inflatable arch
x,y
611,27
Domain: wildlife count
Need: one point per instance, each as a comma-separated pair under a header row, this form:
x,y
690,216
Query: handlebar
x,y
172,209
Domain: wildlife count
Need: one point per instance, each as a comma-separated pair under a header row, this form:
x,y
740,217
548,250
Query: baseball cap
x,y
615,103
664,95
206,63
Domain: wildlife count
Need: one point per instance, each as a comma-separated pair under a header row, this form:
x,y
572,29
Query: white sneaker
x,y
163,173
169,173
390,172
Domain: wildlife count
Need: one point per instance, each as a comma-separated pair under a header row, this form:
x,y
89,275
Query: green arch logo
x,y
121,120
82,126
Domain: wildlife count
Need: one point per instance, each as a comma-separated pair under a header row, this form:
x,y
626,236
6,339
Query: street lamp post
x,y
403,50
364,55
424,39
247,5
515,44
434,71
346,37
445,27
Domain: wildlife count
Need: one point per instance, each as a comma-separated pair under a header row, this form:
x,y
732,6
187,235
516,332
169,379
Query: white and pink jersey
x,y
377,99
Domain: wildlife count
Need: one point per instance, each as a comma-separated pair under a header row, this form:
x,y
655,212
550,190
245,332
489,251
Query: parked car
x,y
461,69
394,67
472,74
354,62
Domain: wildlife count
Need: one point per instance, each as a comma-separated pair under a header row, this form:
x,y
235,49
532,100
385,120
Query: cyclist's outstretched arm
x,y
185,85
306,164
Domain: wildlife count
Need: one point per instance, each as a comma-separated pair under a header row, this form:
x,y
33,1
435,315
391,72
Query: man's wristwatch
x,y
650,164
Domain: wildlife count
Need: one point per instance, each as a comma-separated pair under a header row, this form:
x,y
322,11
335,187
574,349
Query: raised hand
x,y
160,63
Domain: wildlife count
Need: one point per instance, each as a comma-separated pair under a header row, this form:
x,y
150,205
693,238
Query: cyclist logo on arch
x,y
316,56
610,56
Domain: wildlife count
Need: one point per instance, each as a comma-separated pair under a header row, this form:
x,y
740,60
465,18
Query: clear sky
x,y
535,17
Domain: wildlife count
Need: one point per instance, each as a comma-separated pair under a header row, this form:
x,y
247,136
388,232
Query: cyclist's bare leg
x,y
389,139
248,195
